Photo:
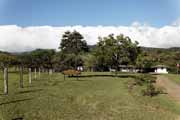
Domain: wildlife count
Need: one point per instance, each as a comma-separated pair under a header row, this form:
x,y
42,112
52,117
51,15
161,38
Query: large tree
x,y
72,46
73,42
112,51
43,58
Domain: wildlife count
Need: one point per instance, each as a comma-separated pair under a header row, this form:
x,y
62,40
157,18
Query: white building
x,y
161,69
127,68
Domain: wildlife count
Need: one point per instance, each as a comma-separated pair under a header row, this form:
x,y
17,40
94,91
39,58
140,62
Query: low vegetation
x,y
174,77
90,98
147,81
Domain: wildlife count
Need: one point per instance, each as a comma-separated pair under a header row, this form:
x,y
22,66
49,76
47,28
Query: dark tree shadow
x,y
19,118
120,76
1,94
30,91
15,101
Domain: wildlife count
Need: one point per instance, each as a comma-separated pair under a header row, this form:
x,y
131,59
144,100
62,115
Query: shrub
x,y
151,90
148,80
144,79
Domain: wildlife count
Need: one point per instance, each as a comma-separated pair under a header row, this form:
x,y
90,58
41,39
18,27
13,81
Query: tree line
x,y
109,52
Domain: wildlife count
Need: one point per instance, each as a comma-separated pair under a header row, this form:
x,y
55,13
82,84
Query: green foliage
x,y
43,58
112,51
145,62
72,42
89,61
67,61
7,59
72,47
147,81
37,58
151,90
144,79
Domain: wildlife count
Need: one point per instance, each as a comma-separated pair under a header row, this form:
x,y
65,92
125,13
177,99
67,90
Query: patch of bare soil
x,y
172,89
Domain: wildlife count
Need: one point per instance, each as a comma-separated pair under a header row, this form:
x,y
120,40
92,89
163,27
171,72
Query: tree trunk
x,y
35,76
21,77
30,76
5,81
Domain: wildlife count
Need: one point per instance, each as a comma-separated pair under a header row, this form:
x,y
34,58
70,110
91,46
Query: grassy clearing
x,y
174,77
89,98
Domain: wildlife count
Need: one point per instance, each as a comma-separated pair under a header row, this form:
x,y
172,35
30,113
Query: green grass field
x,y
174,77
89,98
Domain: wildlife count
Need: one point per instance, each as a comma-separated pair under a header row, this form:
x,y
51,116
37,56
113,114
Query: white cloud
x,y
15,39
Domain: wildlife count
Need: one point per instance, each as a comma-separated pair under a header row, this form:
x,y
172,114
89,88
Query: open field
x,y
90,98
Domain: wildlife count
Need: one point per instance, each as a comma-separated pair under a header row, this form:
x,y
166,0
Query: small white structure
x,y
112,70
161,69
80,68
127,68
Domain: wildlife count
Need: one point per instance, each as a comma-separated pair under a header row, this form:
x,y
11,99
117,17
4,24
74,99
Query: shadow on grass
x,y
30,91
19,118
15,101
1,94
120,76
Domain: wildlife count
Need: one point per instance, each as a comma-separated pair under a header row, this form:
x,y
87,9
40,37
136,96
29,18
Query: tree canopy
x,y
73,42
112,51
109,52
72,46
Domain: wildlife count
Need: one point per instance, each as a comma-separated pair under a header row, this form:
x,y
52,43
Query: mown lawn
x,y
89,98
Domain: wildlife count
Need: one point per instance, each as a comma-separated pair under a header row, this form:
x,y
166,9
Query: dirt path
x,y
171,87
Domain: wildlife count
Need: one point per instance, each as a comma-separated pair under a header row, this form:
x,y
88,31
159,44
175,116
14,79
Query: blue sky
x,y
32,24
156,13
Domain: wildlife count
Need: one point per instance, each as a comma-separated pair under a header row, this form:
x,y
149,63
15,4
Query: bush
x,y
144,79
151,90
148,80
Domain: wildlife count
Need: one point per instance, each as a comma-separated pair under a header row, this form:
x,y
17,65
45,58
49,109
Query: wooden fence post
x,y
35,76
30,76
21,77
5,81
39,72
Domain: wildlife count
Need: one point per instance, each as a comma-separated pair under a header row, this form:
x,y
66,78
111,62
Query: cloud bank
x,y
17,39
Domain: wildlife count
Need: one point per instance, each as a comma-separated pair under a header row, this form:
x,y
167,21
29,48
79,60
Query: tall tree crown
x,y
72,42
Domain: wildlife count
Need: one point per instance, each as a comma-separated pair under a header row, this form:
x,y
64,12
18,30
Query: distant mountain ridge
x,y
173,49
